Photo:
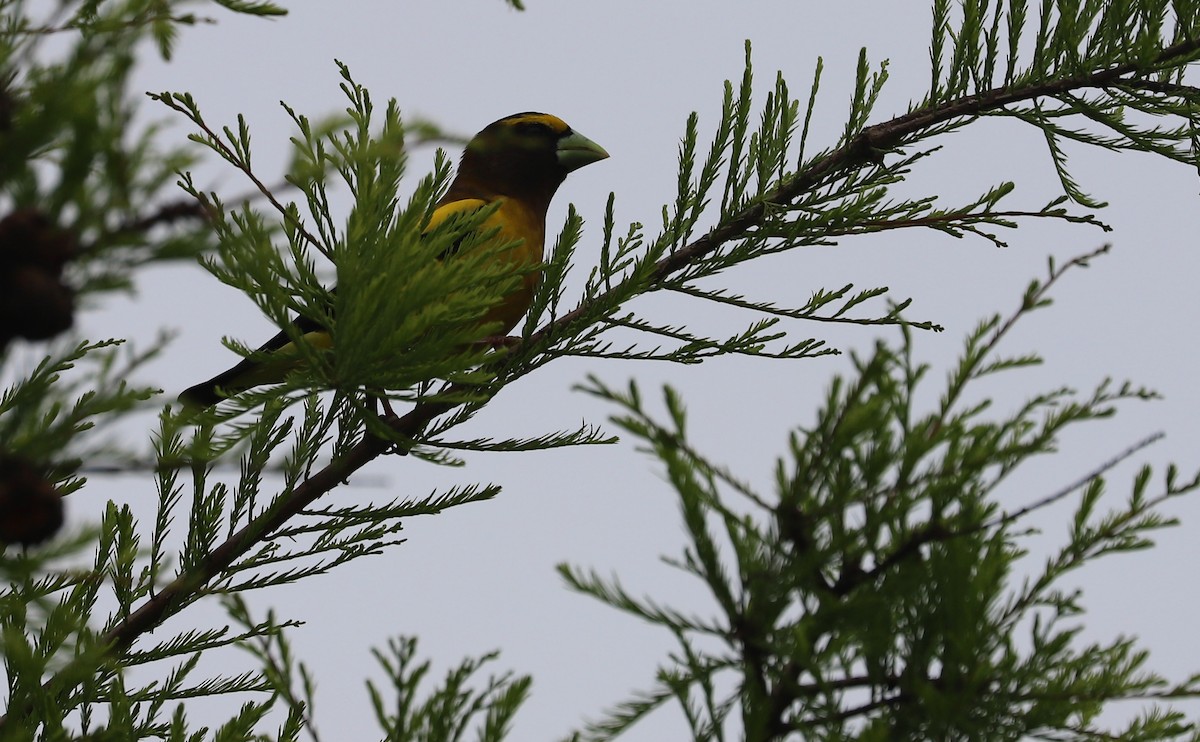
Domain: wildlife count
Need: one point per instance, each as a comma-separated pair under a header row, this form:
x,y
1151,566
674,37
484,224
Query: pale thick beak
x,y
575,150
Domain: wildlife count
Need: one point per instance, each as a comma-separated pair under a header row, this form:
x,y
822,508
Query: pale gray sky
x,y
627,73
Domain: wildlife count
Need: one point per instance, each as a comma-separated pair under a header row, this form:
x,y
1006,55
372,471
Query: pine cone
x,y
31,510
34,302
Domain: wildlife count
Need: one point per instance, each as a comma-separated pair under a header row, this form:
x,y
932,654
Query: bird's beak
x,y
575,150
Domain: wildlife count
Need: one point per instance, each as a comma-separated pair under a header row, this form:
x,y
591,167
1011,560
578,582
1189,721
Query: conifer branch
x,y
177,593
869,145
863,148
185,105
189,585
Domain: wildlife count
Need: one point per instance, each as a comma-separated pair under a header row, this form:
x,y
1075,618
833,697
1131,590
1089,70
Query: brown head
x,y
524,156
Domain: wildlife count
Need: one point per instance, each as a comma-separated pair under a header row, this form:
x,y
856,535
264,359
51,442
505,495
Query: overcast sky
x,y
627,73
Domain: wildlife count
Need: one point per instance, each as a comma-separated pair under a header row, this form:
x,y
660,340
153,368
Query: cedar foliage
x,y
870,596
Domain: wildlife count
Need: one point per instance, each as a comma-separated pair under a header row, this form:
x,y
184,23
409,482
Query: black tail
x,y
222,386
200,397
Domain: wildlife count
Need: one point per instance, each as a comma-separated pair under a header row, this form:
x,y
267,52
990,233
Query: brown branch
x,y
164,604
862,148
850,713
166,214
175,211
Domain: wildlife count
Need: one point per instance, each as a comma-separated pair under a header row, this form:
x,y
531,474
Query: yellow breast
x,y
513,221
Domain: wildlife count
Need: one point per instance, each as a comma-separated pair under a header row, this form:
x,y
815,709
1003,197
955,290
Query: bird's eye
x,y
536,128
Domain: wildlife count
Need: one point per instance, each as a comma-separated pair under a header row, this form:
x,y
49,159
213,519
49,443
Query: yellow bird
x,y
519,162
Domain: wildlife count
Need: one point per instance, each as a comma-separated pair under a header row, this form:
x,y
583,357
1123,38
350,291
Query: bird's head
x,y
524,155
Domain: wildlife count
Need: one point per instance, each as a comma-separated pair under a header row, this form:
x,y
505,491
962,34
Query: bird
x,y
517,163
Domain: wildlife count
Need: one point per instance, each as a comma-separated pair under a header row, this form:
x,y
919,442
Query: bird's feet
x,y
500,341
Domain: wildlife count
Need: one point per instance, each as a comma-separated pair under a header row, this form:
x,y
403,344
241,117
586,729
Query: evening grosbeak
x,y
518,163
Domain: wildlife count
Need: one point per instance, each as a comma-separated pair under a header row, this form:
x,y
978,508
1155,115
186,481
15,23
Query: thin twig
x,y
217,143
1082,482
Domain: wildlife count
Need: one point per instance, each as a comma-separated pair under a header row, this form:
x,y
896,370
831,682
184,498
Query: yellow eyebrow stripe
x,y
554,122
